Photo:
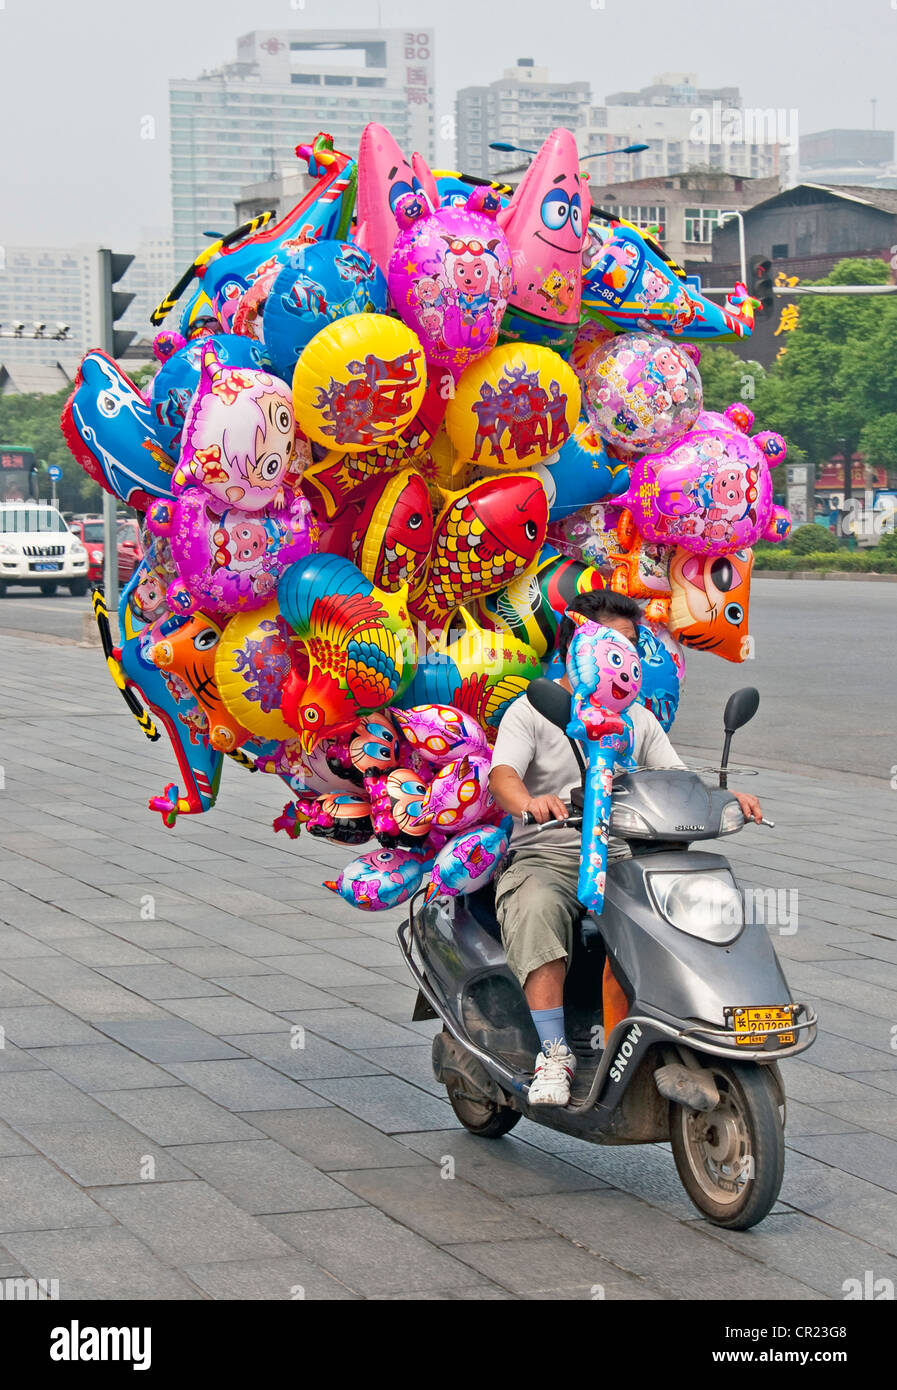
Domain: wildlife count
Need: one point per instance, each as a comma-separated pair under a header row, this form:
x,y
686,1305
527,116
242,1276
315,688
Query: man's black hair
x,y
596,605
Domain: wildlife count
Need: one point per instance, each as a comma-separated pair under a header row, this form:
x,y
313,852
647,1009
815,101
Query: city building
x,y
522,107
43,291
687,127
278,194
240,123
858,157
805,231
684,208
46,289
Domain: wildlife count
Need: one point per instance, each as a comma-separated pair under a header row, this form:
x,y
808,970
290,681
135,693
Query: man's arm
x,y
511,793
657,751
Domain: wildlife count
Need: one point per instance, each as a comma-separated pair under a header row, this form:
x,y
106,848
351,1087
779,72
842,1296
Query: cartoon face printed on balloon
x,y
323,281
710,602
397,807
641,391
711,491
603,667
384,176
239,436
374,745
441,734
450,275
546,223
228,559
459,796
382,879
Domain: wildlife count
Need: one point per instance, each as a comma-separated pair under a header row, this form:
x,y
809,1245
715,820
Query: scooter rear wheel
x,y
485,1117
731,1160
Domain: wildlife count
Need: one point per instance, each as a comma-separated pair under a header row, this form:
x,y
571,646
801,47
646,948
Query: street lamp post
x,y
507,148
733,212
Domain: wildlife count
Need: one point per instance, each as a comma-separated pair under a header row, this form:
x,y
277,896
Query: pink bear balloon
x,y
640,391
240,439
229,560
450,275
711,491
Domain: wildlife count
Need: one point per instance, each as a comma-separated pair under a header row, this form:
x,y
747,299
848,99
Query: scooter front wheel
x,y
731,1159
480,1116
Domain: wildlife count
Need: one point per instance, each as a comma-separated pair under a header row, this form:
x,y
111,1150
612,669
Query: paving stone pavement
x,y
161,1136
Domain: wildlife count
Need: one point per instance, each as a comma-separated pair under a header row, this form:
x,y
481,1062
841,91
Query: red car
x,y
130,549
89,530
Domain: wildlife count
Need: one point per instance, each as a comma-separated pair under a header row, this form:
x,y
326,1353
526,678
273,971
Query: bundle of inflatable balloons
x,y
395,434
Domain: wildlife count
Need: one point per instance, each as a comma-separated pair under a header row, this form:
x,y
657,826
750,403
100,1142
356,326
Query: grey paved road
x,y
824,666
162,1137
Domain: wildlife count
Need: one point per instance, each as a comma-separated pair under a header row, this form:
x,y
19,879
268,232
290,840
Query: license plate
x,y
42,569
752,1026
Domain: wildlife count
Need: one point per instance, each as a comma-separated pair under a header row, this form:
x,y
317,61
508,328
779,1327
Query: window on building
x,y
700,223
780,251
642,215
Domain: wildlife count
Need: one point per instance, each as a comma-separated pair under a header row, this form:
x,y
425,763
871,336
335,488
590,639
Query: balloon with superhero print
x,y
513,407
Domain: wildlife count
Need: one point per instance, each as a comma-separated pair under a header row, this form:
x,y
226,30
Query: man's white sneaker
x,y
555,1070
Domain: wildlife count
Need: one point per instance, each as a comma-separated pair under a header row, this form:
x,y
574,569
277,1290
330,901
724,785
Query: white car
x,y
37,548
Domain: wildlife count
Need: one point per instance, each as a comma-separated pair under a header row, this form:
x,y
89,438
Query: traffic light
x,y
113,302
760,282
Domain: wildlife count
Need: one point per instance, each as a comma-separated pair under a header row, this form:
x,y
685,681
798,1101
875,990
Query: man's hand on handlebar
x,y
545,808
750,806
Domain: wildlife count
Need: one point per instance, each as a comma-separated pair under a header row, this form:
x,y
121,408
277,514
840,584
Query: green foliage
x,y
845,562
836,384
726,378
34,420
810,539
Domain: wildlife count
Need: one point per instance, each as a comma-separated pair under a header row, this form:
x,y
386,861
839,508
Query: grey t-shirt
x,y
543,759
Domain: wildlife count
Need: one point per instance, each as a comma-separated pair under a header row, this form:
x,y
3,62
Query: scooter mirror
x,y
550,700
741,707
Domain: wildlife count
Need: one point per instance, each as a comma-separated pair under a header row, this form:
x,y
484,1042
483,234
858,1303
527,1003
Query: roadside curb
x,y
869,577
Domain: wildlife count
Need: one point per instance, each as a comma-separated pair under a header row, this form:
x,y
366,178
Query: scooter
x,y
675,1004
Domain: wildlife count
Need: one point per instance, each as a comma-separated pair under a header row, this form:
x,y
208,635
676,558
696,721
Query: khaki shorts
x,y
537,909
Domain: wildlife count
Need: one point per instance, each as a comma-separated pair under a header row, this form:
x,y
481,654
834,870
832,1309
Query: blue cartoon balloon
x,y
605,672
321,282
661,677
113,433
469,860
580,473
630,285
178,377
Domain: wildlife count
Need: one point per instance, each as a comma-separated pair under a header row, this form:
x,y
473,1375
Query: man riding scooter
x,y
534,770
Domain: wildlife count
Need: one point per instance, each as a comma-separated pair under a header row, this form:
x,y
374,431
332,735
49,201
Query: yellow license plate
x,y
752,1026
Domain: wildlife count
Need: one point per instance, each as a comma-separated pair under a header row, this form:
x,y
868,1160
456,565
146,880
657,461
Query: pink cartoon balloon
x,y
441,734
240,437
546,223
397,807
710,491
641,391
229,560
459,795
450,275
384,174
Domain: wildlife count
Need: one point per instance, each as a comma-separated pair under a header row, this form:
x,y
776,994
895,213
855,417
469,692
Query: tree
x,y
728,378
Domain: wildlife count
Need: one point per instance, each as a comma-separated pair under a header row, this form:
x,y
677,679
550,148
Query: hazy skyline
x,y
78,80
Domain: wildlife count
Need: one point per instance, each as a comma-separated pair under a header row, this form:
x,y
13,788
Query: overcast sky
x,y
77,77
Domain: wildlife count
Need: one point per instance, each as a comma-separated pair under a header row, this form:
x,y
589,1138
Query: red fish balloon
x,y
484,537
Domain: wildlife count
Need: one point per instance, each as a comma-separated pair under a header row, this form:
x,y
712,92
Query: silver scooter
x,y
675,1004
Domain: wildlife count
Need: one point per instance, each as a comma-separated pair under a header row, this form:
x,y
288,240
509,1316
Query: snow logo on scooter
x,y
623,1057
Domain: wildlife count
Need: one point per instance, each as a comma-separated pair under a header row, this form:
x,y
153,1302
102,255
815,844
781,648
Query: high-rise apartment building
x,y
521,108
51,286
240,124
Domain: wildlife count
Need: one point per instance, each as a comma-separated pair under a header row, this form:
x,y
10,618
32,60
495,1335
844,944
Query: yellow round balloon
x,y
513,407
251,661
359,382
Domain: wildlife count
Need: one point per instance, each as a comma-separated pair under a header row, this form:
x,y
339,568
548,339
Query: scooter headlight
x,y
731,818
704,904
